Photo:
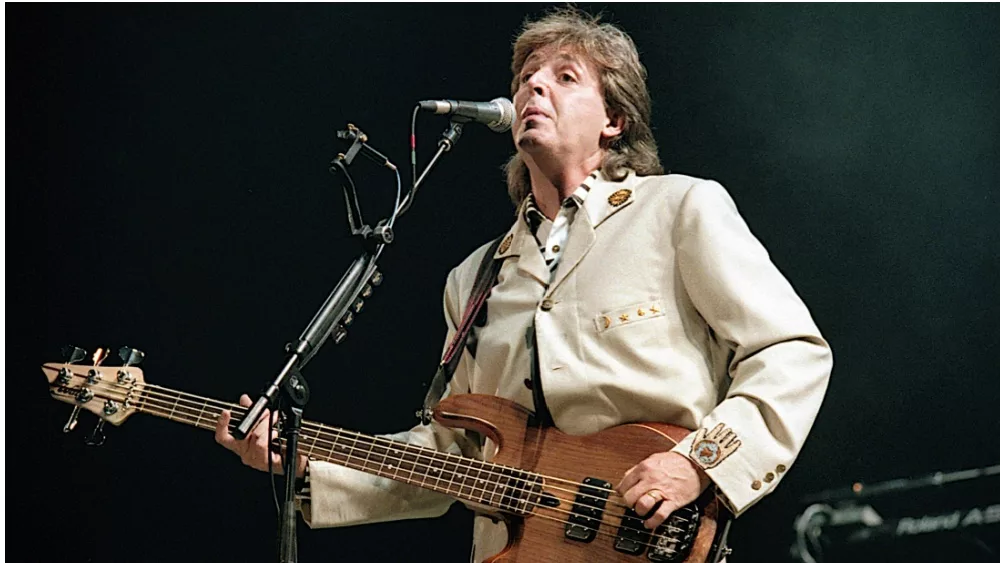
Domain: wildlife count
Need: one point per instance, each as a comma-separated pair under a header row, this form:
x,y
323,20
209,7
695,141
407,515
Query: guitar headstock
x,y
109,392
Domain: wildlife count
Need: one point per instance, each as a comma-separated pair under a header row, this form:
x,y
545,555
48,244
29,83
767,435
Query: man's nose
x,y
538,84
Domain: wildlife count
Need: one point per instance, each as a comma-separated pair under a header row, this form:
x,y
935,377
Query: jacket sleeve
x,y
779,364
340,496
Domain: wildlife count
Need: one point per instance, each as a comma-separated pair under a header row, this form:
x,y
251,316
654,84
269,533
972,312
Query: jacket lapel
x,y
520,243
604,199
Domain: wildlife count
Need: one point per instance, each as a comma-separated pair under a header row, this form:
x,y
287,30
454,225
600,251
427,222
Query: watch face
x,y
707,452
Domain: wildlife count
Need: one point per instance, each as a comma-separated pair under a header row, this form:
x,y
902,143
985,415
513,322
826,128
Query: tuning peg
x,y
71,423
130,356
339,334
96,437
73,354
376,278
99,356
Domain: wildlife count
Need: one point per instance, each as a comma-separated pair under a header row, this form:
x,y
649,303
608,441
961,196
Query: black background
x,y
167,167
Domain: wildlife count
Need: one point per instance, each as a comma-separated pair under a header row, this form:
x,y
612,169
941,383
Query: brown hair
x,y
623,83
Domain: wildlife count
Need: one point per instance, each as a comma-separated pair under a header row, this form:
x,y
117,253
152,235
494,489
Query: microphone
x,y
496,114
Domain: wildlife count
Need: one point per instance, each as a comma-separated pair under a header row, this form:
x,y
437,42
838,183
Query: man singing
x,y
624,295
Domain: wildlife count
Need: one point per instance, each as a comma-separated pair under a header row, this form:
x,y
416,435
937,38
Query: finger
x,y
222,435
644,506
628,481
245,400
661,515
632,495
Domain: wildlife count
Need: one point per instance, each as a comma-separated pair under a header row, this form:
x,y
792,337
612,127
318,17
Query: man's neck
x,y
551,184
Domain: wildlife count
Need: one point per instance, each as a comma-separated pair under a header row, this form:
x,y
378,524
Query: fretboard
x,y
496,486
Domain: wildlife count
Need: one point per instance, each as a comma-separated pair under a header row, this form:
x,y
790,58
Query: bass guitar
x,y
554,491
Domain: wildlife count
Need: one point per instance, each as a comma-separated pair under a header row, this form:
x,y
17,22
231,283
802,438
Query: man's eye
x,y
567,78
525,76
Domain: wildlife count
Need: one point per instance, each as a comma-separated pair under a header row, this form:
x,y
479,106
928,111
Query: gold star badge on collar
x,y
619,197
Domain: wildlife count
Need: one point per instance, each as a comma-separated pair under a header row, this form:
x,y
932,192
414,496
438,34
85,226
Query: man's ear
x,y
613,128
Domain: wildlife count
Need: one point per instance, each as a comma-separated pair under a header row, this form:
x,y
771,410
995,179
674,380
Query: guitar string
x,y
436,455
445,484
433,453
394,445
363,465
389,446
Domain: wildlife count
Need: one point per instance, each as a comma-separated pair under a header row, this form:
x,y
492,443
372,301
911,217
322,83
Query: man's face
x,y
558,107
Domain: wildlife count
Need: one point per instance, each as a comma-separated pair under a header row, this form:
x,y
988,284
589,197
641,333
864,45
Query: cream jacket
x,y
664,307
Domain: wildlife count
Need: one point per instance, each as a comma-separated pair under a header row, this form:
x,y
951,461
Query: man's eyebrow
x,y
563,56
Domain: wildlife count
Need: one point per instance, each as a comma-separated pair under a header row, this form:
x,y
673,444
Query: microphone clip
x,y
382,233
359,144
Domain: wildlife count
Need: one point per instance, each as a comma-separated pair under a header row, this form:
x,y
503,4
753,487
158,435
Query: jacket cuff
x,y
719,451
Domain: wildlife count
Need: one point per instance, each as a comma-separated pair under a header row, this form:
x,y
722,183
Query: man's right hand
x,y
255,449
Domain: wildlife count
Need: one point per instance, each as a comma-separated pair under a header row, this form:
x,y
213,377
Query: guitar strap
x,y
486,277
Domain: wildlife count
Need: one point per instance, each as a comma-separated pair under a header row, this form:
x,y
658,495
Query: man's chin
x,y
530,141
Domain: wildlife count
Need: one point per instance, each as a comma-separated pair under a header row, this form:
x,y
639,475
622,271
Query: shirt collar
x,y
534,216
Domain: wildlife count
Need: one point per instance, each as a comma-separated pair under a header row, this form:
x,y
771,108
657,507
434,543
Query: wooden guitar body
x,y
541,534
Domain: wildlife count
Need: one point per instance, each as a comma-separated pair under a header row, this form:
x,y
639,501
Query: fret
x,y
469,481
170,415
438,468
395,474
312,443
462,477
413,467
452,468
387,452
351,449
481,485
398,455
200,412
494,484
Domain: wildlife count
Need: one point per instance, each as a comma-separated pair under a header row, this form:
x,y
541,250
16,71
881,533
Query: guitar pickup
x,y
588,510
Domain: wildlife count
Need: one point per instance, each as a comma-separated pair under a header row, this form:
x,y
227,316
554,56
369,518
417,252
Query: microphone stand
x,y
289,389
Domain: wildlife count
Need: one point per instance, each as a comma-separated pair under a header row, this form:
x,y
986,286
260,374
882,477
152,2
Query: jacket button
x,y
755,485
527,383
547,304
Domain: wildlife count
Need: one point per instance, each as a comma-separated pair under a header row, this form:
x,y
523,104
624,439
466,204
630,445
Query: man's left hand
x,y
667,478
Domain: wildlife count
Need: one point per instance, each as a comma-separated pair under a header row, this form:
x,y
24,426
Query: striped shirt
x,y
551,235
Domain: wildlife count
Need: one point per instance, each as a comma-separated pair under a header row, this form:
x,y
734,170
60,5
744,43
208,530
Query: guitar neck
x,y
463,478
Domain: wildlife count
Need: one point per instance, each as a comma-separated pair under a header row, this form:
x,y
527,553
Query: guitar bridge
x,y
670,542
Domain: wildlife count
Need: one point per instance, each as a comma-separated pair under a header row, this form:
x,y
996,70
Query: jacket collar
x,y
605,198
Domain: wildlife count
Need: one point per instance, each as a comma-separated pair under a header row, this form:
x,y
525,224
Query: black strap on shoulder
x,y
486,277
